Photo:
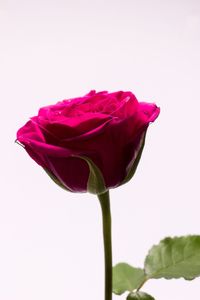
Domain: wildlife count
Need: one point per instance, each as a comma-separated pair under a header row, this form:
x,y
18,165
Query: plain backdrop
x,y
50,240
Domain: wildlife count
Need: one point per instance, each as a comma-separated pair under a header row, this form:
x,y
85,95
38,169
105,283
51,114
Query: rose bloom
x,y
107,128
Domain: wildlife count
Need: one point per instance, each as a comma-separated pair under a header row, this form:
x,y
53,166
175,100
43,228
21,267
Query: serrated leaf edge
x,y
166,277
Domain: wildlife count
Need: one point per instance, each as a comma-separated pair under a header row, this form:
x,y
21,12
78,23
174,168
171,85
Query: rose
x,y
105,129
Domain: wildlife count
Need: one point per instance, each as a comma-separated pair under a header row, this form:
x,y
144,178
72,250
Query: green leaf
x,y
139,296
131,169
126,278
95,184
174,258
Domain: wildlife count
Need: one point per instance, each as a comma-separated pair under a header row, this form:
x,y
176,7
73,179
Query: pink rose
x,y
107,128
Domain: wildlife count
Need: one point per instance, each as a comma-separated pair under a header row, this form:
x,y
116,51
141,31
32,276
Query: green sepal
x,y
139,296
95,183
127,278
55,179
174,258
131,169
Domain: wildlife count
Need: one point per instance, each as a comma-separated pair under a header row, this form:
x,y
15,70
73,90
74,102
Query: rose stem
x,y
106,217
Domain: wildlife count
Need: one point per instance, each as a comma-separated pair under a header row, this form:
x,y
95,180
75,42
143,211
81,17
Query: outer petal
x,y
149,111
107,149
72,172
30,131
31,136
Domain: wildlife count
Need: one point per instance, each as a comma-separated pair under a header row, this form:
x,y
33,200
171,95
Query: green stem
x,y
106,216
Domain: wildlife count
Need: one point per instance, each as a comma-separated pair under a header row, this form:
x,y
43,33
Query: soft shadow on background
x,y
51,241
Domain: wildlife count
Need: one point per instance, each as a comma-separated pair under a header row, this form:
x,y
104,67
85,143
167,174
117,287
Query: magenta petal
x,y
150,111
72,172
105,127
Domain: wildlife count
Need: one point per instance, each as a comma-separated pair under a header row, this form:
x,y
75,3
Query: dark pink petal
x,y
72,172
149,111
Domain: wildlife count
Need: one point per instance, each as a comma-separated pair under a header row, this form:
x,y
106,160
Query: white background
x,y
51,241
